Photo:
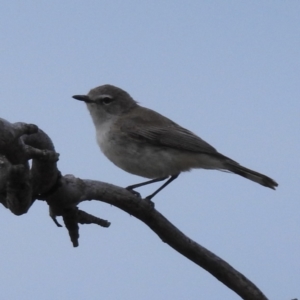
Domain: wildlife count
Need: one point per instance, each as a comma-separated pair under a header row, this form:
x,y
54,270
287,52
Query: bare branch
x,y
18,190
20,186
85,218
74,190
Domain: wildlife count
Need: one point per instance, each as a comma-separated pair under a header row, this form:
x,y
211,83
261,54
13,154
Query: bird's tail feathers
x,y
252,175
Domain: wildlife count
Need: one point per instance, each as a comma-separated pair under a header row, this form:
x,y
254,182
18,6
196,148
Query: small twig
x,y
85,218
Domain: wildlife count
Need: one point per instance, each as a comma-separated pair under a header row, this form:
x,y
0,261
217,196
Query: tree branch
x,y
20,186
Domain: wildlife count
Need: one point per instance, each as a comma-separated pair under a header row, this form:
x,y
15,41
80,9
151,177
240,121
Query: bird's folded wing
x,y
168,135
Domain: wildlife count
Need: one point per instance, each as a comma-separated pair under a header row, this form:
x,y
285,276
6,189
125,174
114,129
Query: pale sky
x,y
227,70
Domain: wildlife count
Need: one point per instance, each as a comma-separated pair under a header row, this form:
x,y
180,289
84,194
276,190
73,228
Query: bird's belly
x,y
151,161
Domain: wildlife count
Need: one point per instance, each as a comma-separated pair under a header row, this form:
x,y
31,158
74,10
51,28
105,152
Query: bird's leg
x,y
173,177
131,187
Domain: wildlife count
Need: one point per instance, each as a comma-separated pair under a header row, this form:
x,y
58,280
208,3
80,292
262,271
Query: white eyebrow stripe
x,y
105,96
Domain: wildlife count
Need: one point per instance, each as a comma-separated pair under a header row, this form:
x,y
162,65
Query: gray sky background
x,y
227,70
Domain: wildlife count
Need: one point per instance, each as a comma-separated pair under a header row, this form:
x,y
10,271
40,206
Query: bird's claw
x,y
135,193
150,202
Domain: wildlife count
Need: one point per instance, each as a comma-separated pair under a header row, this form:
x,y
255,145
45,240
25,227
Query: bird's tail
x,y
252,175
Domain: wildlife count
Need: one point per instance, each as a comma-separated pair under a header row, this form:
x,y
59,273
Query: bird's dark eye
x,y
107,100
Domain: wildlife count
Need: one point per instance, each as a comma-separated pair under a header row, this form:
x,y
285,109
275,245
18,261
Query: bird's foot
x,y
135,193
138,195
150,202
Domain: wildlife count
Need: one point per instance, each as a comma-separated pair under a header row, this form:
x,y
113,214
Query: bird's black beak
x,y
83,98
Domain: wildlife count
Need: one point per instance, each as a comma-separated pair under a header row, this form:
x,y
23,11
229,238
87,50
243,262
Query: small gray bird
x,y
145,143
